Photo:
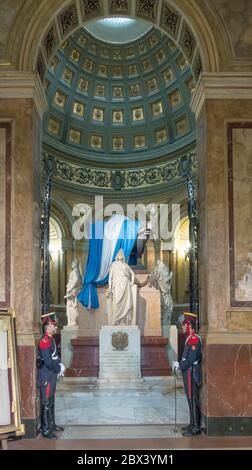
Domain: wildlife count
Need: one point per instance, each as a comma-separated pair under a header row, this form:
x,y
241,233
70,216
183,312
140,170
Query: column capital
x,y
16,84
226,85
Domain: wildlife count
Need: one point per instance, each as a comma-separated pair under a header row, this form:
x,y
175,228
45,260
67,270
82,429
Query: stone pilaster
x,y
223,107
22,104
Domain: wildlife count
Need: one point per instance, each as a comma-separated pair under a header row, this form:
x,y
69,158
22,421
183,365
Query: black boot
x,y
46,430
186,428
41,417
53,425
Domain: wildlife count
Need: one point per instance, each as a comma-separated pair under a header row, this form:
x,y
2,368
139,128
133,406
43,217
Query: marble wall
x,y
214,214
240,212
25,210
229,372
227,369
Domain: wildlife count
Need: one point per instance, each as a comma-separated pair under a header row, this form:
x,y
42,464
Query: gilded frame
x,y
16,427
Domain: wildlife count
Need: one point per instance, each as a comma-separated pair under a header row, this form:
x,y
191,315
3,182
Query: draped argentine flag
x,y
106,239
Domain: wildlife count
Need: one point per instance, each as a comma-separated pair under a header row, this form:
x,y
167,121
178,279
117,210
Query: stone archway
x,y
37,32
222,103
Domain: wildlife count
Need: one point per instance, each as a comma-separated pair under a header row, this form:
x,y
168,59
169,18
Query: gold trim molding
x,y
16,84
221,86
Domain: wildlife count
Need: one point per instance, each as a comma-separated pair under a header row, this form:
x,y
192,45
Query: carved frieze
x,y
143,177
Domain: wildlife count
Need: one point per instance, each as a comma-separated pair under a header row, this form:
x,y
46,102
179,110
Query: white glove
x,y
175,367
62,370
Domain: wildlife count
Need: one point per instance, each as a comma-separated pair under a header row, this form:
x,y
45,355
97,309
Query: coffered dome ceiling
x,y
119,101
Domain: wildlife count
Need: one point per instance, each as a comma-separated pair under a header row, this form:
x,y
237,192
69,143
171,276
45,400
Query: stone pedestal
x,y
148,311
67,334
119,356
86,347
85,360
173,343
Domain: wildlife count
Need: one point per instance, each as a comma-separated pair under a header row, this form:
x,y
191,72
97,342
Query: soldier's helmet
x,y
189,319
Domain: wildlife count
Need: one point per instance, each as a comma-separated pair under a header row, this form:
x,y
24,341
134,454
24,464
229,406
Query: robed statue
x,y
162,279
72,289
120,293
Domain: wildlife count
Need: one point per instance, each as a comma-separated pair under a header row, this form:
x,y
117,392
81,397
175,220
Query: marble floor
x,y
151,403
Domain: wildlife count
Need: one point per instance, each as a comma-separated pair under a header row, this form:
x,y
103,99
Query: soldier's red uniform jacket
x,y
192,355
49,361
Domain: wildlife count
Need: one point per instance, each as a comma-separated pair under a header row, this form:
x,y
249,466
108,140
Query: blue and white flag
x,y
119,232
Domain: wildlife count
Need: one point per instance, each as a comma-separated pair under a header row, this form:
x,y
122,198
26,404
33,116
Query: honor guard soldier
x,y
190,365
49,368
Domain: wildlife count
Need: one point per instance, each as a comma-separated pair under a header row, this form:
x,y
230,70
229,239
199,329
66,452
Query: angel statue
x,y
72,289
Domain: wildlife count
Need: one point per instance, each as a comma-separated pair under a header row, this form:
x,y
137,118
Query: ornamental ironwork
x,y
45,239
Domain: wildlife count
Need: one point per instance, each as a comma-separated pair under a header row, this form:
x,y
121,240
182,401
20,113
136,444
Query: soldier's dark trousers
x,y
53,425
192,395
46,416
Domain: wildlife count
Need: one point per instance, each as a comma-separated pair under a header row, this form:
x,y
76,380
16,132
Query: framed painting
x,y
10,404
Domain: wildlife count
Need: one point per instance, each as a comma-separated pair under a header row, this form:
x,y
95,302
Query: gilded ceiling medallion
x,y
135,90
54,63
118,117
78,108
67,76
75,136
161,135
157,108
117,92
139,141
53,126
182,125
88,65
96,141
118,143
168,75
138,114
75,55
60,99
100,91
83,85
98,114
152,85
175,98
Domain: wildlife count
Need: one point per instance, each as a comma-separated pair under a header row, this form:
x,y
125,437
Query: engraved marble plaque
x,y
120,363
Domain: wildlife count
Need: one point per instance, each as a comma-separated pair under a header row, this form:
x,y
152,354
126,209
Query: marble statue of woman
x,y
72,289
120,292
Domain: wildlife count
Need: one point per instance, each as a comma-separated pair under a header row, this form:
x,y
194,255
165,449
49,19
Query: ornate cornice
x,y
226,85
15,84
168,173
